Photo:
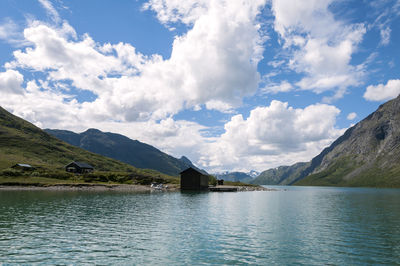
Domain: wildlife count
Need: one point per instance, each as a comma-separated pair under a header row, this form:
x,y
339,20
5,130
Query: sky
x,y
234,85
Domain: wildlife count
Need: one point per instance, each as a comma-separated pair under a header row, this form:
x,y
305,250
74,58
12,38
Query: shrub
x,y
212,180
147,180
11,172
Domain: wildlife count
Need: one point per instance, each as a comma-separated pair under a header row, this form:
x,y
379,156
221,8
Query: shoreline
x,y
105,187
83,187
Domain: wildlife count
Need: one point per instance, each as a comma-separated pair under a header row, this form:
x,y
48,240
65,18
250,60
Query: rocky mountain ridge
x,y
124,149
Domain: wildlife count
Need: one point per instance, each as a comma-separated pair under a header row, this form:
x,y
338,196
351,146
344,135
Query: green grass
x,y
22,142
333,176
238,183
25,180
372,176
11,176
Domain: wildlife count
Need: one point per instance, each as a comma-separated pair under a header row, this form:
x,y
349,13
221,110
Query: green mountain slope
x,y
368,154
126,150
282,175
22,142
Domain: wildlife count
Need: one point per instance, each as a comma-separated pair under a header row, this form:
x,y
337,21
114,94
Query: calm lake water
x,y
299,225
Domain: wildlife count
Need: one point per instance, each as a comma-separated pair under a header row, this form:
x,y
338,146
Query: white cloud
x,y
273,136
382,92
385,13
321,46
8,30
351,116
219,106
214,63
385,36
11,33
51,11
284,86
172,11
10,82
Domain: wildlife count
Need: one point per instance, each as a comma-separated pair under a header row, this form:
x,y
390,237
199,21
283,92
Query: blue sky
x,y
233,85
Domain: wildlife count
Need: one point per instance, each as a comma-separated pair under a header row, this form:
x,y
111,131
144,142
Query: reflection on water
x,y
300,225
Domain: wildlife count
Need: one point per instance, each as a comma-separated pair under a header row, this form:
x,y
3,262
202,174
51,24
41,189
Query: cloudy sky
x,y
231,84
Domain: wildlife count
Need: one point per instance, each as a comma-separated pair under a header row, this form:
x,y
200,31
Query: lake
x,y
294,225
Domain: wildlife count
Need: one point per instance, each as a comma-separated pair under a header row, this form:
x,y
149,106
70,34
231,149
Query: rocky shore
x,y
108,187
248,188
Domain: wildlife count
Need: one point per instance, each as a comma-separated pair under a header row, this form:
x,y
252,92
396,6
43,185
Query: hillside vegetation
x,y
282,175
22,142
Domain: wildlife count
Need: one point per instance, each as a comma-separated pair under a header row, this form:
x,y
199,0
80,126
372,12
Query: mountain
x,y
22,142
253,173
236,176
124,149
367,154
282,175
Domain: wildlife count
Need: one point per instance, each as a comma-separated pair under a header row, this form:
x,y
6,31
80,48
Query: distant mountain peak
x,y
253,173
185,160
92,130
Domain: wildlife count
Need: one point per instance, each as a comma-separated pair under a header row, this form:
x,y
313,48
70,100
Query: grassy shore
x,y
45,178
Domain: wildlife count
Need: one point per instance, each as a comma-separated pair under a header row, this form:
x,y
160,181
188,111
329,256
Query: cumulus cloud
x,y
321,46
214,63
10,82
383,92
219,106
274,135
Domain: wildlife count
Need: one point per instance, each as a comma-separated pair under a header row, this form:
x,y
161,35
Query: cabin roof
x,y
190,169
24,165
82,165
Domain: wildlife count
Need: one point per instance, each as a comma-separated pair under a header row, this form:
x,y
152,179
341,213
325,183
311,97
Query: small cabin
x,y
220,182
23,166
191,179
79,167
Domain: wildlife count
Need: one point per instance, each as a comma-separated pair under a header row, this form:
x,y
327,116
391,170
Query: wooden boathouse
x,y
191,179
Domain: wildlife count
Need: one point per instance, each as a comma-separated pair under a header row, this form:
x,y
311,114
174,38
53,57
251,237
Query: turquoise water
x,y
299,225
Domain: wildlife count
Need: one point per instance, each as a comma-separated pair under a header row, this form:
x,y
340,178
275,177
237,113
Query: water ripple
x,y
310,226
